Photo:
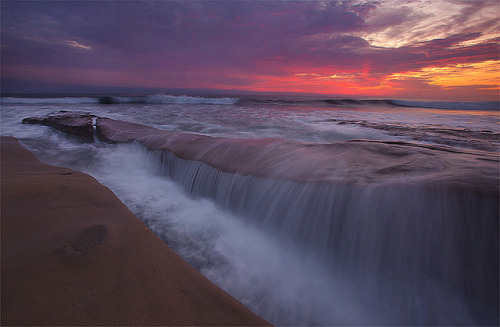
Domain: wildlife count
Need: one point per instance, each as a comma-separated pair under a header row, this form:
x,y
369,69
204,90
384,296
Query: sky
x,y
425,49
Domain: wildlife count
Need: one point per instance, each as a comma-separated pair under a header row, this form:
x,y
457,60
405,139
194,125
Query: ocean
x,y
308,210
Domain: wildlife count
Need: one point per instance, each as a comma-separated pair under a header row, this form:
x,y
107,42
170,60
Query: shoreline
x,y
73,254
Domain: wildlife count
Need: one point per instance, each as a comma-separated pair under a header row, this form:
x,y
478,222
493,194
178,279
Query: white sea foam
x,y
269,278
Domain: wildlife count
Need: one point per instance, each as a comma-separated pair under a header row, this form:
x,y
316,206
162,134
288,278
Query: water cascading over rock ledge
x,y
413,225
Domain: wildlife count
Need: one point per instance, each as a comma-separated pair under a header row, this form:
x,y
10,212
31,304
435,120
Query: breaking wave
x,y
63,100
168,99
185,99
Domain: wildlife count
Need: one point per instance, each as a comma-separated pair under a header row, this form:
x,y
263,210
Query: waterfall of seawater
x,y
419,254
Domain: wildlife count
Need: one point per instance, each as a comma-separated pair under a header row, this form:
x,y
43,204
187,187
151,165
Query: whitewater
x,y
309,211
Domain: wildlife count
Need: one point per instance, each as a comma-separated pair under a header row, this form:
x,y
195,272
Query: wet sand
x,y
73,254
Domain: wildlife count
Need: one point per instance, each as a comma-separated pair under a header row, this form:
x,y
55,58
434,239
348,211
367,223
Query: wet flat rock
x,y
356,161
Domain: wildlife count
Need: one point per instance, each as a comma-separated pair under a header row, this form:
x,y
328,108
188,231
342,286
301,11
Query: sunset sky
x,y
439,49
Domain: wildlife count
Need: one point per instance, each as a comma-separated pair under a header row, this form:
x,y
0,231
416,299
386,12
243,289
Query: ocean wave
x,y
185,99
380,102
167,99
63,100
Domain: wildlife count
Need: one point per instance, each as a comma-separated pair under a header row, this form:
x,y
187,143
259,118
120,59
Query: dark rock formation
x,y
107,100
79,124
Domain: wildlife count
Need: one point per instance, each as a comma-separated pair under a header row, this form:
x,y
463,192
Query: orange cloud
x,y
474,81
486,73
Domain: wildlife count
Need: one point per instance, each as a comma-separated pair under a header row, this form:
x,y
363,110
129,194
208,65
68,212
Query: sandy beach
x,y
73,254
